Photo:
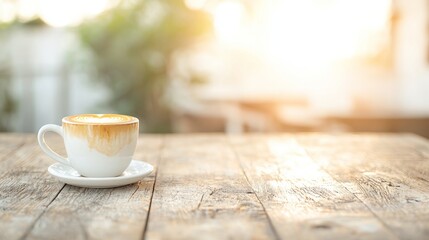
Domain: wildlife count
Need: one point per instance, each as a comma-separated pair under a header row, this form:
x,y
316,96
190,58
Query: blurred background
x,y
229,66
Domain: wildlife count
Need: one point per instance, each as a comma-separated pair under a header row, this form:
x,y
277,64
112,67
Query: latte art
x,y
100,119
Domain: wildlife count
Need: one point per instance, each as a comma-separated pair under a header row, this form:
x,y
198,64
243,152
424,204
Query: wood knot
x,y
321,226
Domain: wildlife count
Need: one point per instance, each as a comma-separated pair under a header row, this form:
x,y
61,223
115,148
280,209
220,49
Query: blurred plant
x,y
7,105
132,46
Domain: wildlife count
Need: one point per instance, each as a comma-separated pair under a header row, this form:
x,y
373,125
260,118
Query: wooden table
x,y
280,186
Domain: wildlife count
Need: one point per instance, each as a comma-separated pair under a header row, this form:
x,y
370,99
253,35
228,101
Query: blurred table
x,y
399,122
252,106
279,186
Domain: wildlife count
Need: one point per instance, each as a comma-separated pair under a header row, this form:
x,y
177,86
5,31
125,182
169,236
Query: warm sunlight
x,y
7,12
195,4
307,33
311,33
228,16
290,153
69,13
56,13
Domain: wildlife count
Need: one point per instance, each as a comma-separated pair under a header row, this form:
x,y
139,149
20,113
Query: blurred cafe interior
x,y
233,66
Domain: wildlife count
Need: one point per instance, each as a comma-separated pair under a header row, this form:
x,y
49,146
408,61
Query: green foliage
x,y
132,45
7,105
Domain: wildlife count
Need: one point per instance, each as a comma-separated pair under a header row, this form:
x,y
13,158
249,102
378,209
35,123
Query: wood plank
x,y
26,188
10,143
116,213
389,173
17,149
7,139
201,193
301,199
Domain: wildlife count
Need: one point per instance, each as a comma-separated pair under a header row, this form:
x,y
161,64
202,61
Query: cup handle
x,y
41,138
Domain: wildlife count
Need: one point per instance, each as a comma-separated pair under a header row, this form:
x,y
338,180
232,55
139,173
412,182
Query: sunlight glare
x,y
306,33
7,11
228,17
293,159
62,13
26,10
314,33
195,4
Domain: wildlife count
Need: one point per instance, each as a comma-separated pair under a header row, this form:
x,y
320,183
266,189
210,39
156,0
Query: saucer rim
x,y
101,179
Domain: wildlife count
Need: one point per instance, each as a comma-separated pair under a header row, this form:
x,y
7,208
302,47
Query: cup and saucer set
x,y
100,148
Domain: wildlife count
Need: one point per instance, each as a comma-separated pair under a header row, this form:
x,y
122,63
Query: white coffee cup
x,y
97,145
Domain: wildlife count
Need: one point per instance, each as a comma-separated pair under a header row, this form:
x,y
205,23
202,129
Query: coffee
x,y
97,145
105,133
100,119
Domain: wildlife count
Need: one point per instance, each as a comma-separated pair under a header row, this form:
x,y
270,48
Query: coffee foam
x,y
105,133
100,119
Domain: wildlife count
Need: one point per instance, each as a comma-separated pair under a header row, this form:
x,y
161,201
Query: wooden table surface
x,y
278,186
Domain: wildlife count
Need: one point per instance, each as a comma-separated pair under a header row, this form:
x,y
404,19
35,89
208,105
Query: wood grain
x,y
201,193
9,143
115,213
26,189
389,173
302,200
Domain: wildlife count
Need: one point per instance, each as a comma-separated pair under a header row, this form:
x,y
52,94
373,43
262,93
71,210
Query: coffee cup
x,y
97,145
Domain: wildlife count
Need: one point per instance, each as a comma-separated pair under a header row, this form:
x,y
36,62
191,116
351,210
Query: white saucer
x,y
135,172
